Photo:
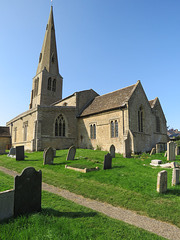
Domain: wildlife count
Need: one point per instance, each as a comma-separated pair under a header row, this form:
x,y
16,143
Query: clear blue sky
x,y
102,44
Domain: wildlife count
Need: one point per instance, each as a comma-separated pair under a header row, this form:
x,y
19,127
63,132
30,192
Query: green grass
x,y
63,219
131,183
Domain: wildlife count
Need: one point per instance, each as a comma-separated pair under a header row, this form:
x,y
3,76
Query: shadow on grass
x,y
173,192
63,163
52,212
118,167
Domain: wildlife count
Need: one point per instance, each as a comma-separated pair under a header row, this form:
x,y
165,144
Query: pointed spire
x,y
48,56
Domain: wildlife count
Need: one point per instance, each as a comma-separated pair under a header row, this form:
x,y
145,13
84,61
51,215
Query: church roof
x,y
48,56
4,132
109,101
152,102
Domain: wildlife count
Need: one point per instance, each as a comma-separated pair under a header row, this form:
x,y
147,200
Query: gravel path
x,y
163,229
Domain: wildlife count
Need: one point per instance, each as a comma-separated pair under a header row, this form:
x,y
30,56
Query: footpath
x,y
160,228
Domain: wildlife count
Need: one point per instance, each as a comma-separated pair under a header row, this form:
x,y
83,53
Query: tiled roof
x,y
4,132
109,101
152,102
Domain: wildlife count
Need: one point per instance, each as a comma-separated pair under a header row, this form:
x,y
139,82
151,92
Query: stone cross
x,y
162,182
107,161
27,193
112,151
48,156
175,176
171,151
71,153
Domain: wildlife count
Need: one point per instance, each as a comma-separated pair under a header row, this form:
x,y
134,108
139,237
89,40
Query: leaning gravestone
x,y
153,151
48,156
162,182
20,153
171,151
107,161
175,176
27,193
112,151
71,153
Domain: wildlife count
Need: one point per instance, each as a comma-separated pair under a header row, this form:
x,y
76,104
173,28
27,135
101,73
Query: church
x,y
124,118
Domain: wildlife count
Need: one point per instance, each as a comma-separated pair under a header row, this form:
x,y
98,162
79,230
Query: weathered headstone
x,y
27,195
71,153
112,151
107,161
20,153
165,154
171,151
6,204
12,152
54,152
177,150
162,182
175,176
158,148
153,151
48,156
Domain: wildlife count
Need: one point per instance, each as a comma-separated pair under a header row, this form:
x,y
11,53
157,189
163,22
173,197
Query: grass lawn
x,y
63,219
131,183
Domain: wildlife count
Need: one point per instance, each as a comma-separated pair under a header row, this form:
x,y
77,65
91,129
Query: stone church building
x,y
125,118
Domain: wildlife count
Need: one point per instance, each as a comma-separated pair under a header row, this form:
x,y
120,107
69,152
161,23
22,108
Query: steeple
x,y
48,56
47,84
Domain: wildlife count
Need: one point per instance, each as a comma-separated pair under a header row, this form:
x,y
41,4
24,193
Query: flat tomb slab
x,y
85,170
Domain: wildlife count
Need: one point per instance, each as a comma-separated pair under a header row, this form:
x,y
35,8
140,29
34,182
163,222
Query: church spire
x,y
48,56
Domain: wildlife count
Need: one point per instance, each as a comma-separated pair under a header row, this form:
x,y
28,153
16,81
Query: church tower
x,y
47,84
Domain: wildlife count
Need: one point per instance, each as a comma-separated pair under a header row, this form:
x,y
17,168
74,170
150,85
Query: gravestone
x,y
177,150
19,153
27,193
12,152
112,151
165,154
171,151
155,162
71,153
162,182
153,151
158,148
107,161
54,152
48,156
175,176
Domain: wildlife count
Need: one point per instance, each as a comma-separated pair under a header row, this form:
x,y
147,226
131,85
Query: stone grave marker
x,y
19,153
71,153
171,151
54,152
153,151
165,154
175,176
158,148
177,150
12,152
48,156
107,161
162,182
112,151
155,162
27,193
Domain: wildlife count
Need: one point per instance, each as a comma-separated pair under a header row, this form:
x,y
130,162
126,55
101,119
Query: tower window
x,y
54,85
40,57
140,119
157,124
49,84
52,58
114,128
60,126
36,85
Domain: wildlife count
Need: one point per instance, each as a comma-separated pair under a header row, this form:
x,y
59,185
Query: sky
x,y
104,45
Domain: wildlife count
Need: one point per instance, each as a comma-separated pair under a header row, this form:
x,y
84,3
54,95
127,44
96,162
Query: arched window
x,y
54,85
60,126
36,85
49,84
93,131
114,128
157,124
140,119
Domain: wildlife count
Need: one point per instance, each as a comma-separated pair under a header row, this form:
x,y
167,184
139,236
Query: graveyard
x,y
130,183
